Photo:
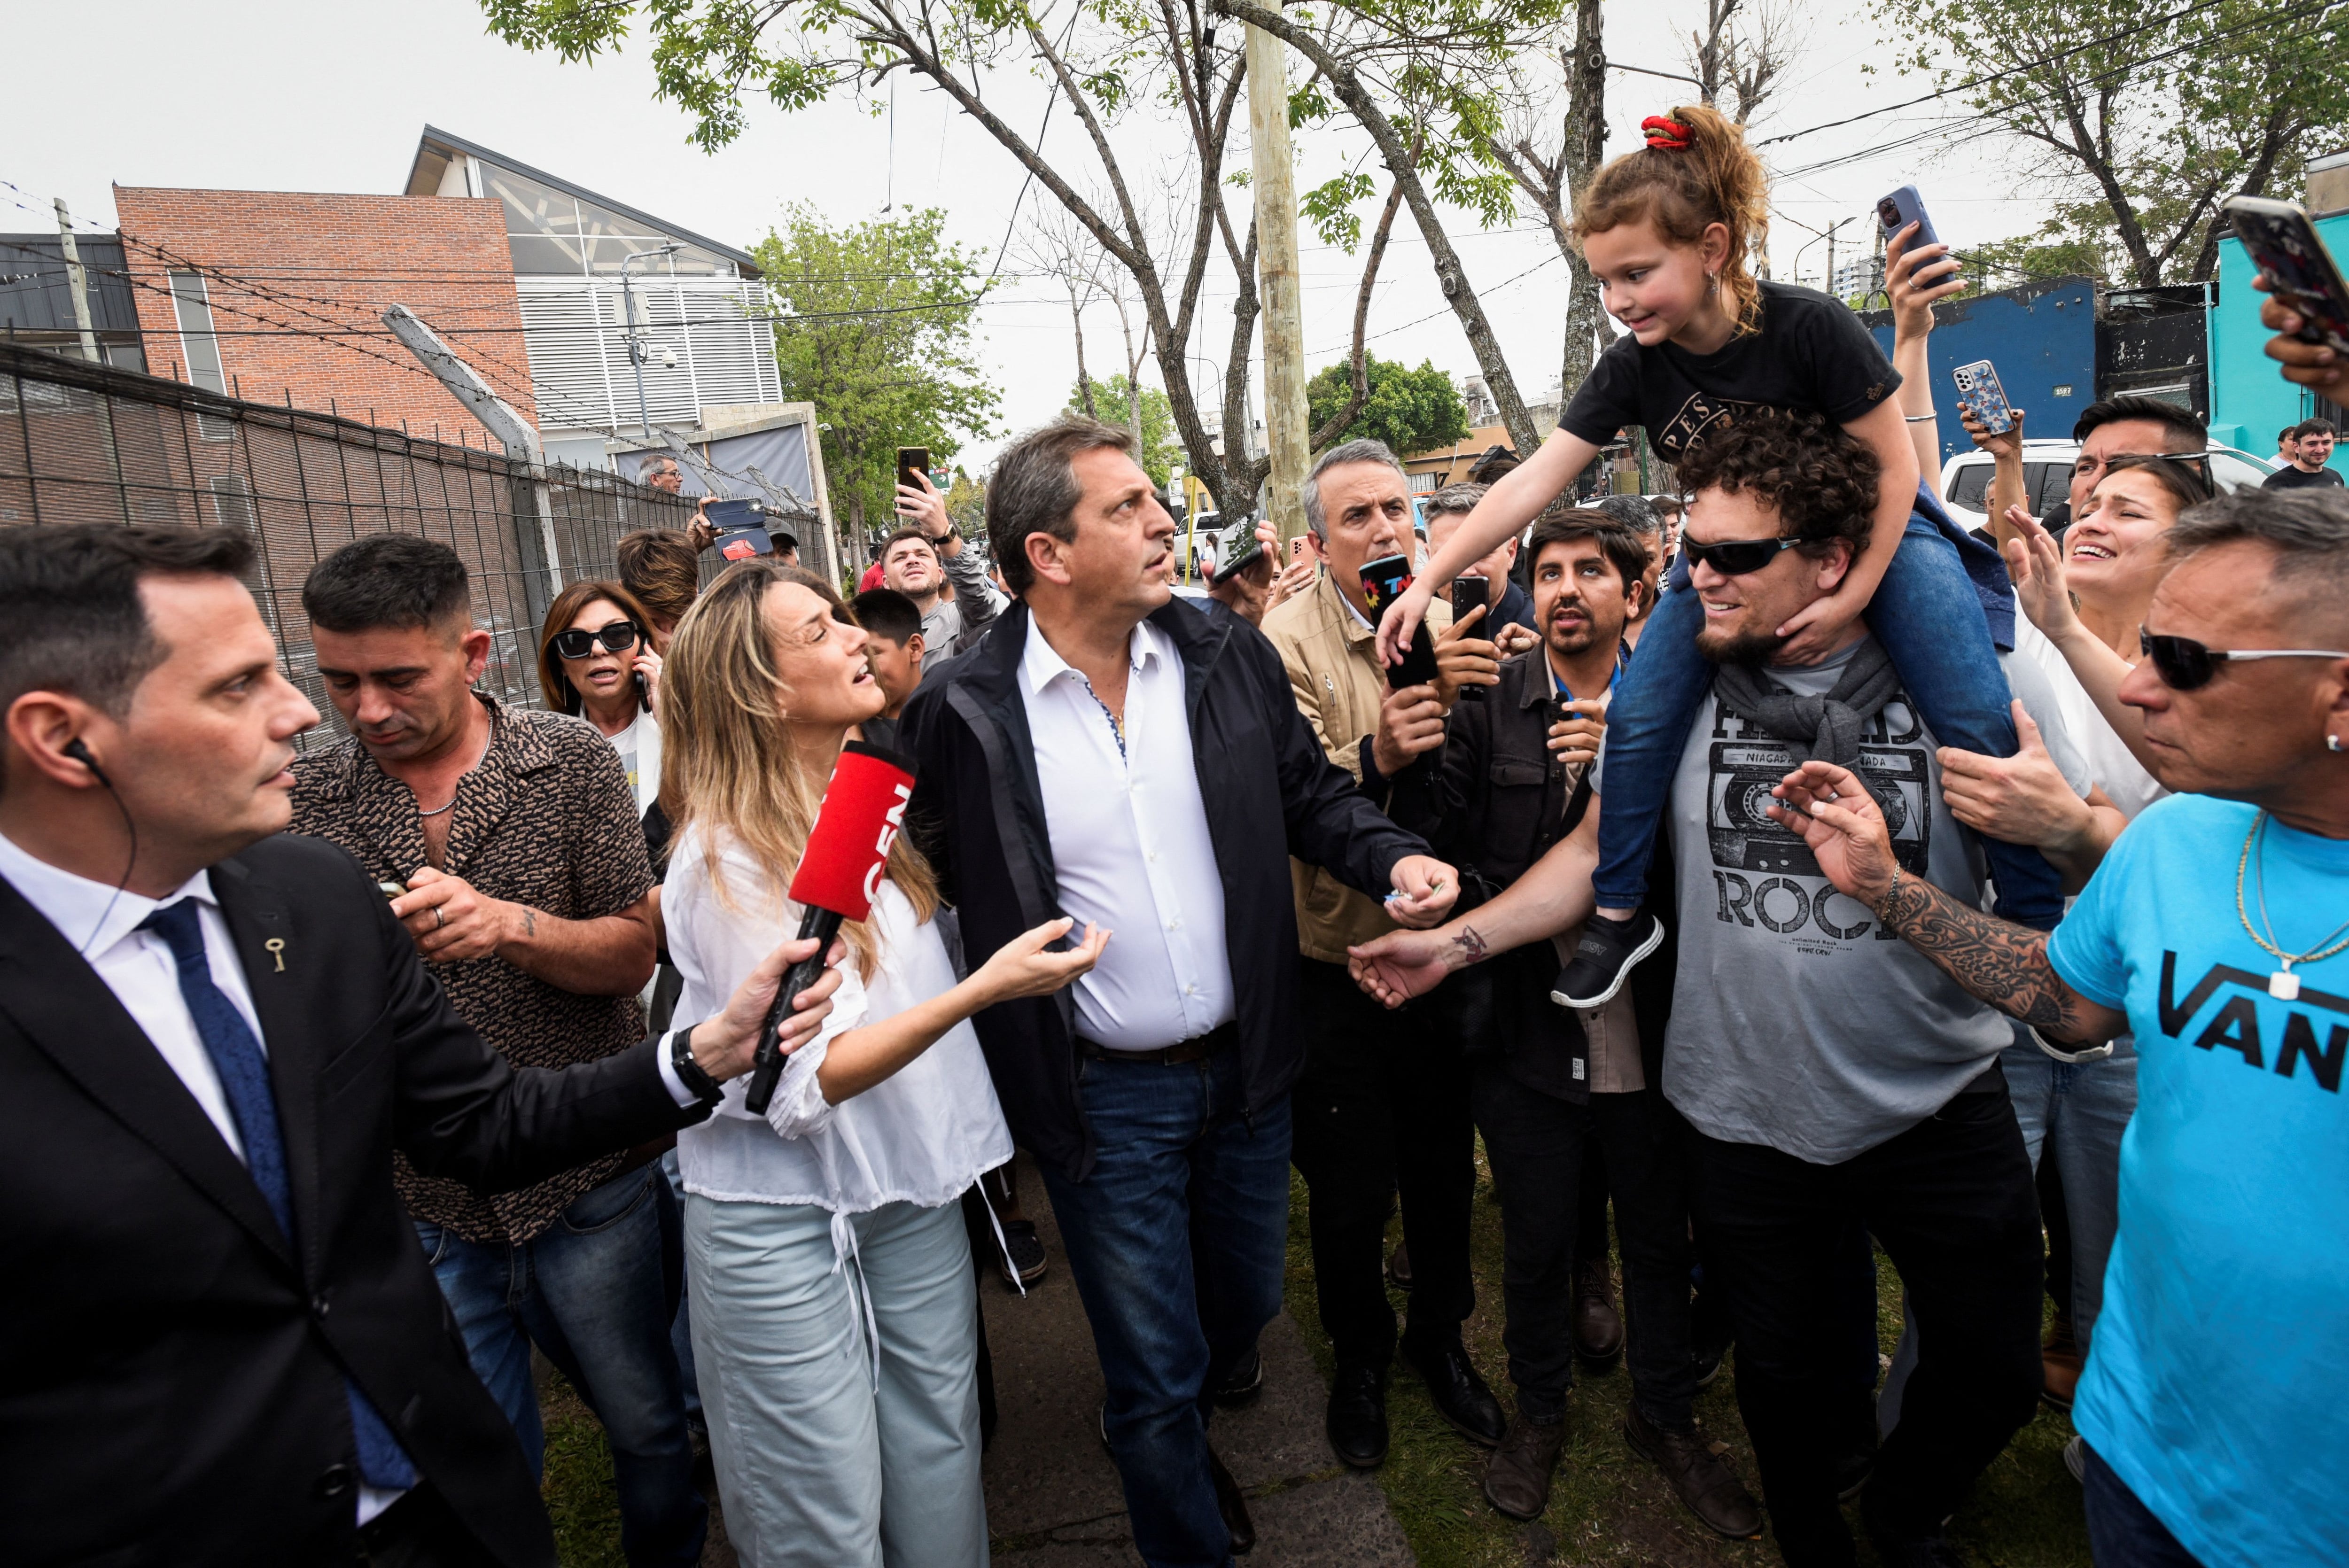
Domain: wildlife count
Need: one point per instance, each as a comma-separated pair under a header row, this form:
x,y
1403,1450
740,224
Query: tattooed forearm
x,y
2003,963
1470,945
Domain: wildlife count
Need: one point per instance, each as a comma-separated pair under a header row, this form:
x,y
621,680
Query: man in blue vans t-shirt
x,y
2216,1400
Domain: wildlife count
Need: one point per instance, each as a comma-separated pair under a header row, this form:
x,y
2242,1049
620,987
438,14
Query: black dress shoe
x,y
1233,1506
1905,1548
1357,1423
1242,1384
1461,1395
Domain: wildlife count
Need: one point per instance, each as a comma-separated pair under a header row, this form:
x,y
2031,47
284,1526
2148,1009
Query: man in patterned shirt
x,y
515,836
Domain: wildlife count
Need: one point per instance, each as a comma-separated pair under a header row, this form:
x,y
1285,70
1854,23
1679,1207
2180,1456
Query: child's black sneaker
x,y
1604,959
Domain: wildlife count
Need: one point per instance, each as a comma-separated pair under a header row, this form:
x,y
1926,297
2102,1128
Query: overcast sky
x,y
309,96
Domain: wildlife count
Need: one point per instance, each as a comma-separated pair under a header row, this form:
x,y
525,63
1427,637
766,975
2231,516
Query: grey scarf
x,y
1824,728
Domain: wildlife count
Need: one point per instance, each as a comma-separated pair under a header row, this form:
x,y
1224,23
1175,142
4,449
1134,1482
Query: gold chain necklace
x,y
2284,984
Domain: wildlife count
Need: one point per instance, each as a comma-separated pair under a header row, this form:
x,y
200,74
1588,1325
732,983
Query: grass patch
x,y
578,1486
1607,1505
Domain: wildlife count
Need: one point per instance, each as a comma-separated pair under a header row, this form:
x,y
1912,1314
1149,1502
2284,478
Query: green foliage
x,y
2146,119
1411,411
2078,241
1161,448
878,335
1330,206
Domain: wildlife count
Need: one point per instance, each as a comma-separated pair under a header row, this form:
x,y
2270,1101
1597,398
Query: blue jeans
x,y
2122,1531
1941,609
1177,1242
594,1292
2076,1113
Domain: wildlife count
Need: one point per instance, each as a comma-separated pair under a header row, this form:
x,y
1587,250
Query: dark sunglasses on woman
x,y
2185,664
1737,557
575,644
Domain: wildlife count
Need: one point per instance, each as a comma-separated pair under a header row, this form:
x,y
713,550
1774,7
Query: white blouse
x,y
922,1136
2111,764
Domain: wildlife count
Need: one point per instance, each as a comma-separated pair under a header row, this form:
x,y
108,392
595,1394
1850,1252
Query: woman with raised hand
x,y
2084,599
834,1317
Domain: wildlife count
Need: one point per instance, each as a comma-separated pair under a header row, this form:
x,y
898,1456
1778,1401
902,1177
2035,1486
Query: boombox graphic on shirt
x,y
1747,764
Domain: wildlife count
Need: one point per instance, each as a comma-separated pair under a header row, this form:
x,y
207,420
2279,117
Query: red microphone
x,y
847,854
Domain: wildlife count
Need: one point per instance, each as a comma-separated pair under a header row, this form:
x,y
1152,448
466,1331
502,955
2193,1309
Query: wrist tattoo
x,y
530,923
1472,944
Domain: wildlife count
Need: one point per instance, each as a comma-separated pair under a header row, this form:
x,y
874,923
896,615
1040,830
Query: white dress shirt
x,y
1131,846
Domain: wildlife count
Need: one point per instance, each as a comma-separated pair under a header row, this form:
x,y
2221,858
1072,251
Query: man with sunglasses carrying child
x,y
528,892
1831,1077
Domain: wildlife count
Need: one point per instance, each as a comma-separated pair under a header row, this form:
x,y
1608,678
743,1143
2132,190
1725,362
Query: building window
x,y
1426,484
192,302
232,502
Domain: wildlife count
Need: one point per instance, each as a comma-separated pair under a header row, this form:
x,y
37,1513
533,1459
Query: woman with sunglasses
x,y
597,663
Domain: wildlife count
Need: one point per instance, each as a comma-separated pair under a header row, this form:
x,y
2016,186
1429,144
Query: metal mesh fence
x,y
84,443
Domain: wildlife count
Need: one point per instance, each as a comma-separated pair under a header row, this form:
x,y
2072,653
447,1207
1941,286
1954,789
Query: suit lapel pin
x,y
276,947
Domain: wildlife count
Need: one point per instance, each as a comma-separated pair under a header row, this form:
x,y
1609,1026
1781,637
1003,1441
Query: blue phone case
x,y
1979,394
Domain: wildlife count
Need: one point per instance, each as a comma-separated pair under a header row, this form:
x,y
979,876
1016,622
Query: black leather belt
x,y
1197,1048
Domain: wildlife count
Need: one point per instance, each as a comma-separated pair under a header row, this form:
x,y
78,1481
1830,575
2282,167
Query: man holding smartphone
x,y
948,625
1382,1104
1511,605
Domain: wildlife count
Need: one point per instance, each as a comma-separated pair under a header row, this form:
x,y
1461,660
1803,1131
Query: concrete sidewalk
x,y
1052,1495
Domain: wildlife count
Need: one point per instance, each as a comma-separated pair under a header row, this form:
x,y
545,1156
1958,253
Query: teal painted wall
x,y
2249,402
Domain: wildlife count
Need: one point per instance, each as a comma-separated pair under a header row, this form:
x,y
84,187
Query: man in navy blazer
x,y
221,1342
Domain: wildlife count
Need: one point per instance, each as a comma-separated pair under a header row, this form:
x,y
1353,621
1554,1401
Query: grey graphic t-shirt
x,y
1796,1021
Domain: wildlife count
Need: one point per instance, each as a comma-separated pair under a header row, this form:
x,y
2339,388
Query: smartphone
x,y
2285,246
1896,212
912,463
1979,394
1296,550
1470,595
1384,580
742,529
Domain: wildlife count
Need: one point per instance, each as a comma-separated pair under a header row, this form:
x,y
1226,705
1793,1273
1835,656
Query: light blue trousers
x,y
818,1467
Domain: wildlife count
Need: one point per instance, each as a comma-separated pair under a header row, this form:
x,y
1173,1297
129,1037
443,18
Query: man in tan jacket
x,y
1382,1104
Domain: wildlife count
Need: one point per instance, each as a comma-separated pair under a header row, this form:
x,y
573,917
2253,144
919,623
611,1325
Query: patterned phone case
x,y
1979,394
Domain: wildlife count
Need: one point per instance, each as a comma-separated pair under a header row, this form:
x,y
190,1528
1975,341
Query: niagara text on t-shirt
x,y
2222,1352
1810,354
1797,1022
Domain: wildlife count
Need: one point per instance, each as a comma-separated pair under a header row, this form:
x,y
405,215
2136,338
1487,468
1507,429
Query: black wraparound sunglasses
x,y
2185,664
619,637
1737,557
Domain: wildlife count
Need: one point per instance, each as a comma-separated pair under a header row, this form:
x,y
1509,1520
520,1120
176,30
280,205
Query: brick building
x,y
270,294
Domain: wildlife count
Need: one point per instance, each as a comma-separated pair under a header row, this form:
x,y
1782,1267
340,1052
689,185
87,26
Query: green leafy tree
x,y
2155,114
1411,410
1114,405
875,331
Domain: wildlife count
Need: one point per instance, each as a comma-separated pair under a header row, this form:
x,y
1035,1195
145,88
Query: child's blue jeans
x,y
1943,610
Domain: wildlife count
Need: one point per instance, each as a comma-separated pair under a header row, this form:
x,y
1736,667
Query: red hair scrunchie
x,y
1670,135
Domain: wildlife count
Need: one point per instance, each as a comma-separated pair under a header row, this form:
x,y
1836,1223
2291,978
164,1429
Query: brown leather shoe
x,y
1700,1474
2059,1362
1517,1478
1233,1505
1399,1267
1598,1327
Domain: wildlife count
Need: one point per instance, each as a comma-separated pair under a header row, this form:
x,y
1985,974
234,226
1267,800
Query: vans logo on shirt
x,y
2234,1026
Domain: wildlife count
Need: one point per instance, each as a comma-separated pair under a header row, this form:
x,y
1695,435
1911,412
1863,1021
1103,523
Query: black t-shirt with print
x,y
1811,352
2289,477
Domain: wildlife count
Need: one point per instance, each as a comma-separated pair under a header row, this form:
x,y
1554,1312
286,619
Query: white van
x,y
2047,477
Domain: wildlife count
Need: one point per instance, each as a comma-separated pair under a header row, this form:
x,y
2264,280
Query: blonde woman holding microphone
x,y
835,1323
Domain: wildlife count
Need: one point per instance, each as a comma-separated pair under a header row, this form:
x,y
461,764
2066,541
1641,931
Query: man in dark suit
x,y
223,1344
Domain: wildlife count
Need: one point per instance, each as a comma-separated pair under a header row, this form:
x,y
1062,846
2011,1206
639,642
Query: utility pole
x,y
77,282
1279,286
517,435
637,351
